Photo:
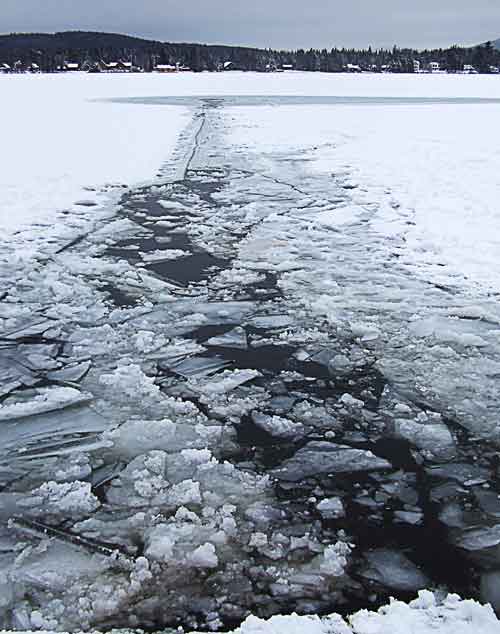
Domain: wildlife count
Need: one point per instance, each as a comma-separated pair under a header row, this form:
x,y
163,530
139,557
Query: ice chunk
x,y
204,557
67,499
409,517
461,472
349,401
448,331
225,382
318,458
434,440
365,331
331,508
137,437
480,538
393,570
236,338
177,351
30,442
271,321
490,588
129,382
30,329
489,501
198,367
70,373
56,567
45,400
173,205
277,426
163,255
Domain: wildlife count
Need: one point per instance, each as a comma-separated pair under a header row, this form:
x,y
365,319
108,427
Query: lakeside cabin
x,y
469,69
165,68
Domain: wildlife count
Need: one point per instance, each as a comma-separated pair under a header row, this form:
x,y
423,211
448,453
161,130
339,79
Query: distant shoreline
x,y
107,52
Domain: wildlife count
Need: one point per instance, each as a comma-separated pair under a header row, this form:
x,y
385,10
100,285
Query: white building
x,y
165,68
434,67
469,69
416,66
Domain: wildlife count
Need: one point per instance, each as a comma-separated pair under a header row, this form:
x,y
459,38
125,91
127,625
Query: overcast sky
x,y
268,23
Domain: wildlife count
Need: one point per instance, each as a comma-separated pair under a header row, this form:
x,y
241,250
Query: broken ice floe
x,y
321,458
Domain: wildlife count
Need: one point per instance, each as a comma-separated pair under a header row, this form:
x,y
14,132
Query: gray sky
x,y
268,23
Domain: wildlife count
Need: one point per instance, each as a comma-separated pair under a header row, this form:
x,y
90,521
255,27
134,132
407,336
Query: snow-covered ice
x,y
422,173
64,148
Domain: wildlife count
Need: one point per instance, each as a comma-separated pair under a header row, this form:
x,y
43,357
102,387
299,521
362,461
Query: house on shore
x,y
434,67
5,68
353,68
416,66
71,66
165,68
110,67
115,67
469,69
286,67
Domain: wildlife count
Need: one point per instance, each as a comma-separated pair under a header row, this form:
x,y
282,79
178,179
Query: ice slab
x,y
44,400
236,338
278,427
393,570
30,329
467,474
320,458
434,440
331,508
28,441
225,382
198,366
271,321
480,538
72,373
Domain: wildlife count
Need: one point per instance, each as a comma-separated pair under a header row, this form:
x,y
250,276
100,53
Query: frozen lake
x,y
261,374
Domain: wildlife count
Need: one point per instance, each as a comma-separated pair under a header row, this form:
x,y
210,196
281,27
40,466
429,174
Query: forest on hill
x,y
49,52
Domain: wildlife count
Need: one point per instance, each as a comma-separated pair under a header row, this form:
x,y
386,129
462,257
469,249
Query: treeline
x,y
50,51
